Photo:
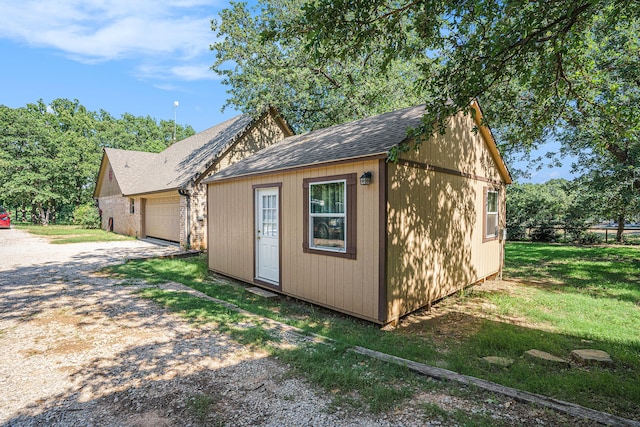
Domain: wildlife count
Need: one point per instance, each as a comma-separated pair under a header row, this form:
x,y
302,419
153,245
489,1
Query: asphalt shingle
x,y
140,172
363,138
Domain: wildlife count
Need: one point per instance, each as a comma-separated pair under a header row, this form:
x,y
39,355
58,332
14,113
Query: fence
x,y
605,233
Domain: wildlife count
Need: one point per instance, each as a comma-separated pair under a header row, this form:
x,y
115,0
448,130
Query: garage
x,y
162,218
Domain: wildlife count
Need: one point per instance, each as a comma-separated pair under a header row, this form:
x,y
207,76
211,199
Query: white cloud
x,y
187,72
195,72
173,32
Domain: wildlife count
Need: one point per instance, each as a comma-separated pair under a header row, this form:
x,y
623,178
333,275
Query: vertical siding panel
x,y
295,188
339,283
286,232
246,232
343,284
308,287
324,284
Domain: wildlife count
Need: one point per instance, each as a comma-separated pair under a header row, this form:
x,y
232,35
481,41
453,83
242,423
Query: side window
x,y
490,214
132,205
329,215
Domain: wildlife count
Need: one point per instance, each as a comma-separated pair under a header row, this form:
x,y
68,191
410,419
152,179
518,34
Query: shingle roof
x,y
140,172
363,138
129,166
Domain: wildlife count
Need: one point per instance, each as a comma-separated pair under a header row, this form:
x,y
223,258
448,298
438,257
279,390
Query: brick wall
x,y
117,207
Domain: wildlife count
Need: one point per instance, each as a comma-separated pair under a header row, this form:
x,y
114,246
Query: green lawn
x,y
562,298
589,292
62,234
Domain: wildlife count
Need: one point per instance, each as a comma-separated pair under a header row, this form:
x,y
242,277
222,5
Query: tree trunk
x,y
620,228
43,215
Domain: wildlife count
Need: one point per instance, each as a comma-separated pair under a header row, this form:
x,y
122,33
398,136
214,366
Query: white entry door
x,y
267,234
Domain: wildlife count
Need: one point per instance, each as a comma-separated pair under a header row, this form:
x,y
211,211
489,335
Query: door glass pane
x,y
269,216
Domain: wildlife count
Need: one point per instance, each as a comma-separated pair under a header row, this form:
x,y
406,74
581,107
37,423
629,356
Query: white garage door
x,y
162,218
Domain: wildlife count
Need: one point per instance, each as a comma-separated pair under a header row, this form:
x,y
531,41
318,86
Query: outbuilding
x,y
161,195
325,218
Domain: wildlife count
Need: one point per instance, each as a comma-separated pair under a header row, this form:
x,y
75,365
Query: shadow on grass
x,y
615,390
611,389
331,366
602,272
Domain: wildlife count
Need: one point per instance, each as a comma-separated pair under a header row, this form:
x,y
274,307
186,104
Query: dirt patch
x,y
461,315
63,319
70,346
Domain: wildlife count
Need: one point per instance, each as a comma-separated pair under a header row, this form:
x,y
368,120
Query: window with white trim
x,y
132,205
491,214
327,215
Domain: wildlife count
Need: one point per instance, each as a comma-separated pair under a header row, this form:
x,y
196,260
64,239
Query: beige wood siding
x,y
460,149
435,219
162,218
350,286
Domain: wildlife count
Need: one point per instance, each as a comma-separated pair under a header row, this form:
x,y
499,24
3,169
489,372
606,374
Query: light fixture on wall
x,y
365,179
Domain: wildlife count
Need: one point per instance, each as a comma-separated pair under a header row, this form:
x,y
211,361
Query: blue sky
x,y
121,56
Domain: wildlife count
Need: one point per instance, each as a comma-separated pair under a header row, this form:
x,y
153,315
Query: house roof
x,y
365,138
129,166
141,172
372,136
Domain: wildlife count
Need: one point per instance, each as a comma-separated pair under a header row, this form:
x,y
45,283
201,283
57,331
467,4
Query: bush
x,y
589,239
86,216
516,232
545,234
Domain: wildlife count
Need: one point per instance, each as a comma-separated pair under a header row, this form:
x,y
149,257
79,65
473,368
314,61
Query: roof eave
x,y
486,133
215,180
198,177
164,190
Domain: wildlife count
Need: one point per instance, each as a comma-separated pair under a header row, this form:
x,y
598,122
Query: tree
x,y
603,129
265,64
540,69
539,207
546,208
29,159
519,56
51,152
137,133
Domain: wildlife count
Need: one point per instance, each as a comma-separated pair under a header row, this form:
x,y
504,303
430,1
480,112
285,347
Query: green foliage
x,y
589,239
202,405
541,70
265,63
51,152
527,61
87,216
546,208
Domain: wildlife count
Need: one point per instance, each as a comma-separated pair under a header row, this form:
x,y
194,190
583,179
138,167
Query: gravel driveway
x,y
77,349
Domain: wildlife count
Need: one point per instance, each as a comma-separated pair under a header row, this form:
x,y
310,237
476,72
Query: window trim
x,y
132,205
485,199
349,251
